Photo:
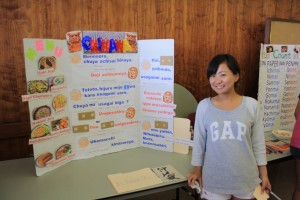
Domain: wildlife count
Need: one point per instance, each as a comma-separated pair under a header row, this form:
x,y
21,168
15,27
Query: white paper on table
x,y
124,182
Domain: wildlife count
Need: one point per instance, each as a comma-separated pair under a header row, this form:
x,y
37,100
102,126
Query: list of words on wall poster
x,y
279,85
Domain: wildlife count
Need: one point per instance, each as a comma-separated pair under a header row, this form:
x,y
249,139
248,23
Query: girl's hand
x,y
196,175
263,174
265,184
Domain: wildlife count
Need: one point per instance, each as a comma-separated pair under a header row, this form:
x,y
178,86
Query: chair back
x,y
185,101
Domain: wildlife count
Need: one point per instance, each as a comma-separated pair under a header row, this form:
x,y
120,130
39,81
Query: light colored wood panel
x,y
284,32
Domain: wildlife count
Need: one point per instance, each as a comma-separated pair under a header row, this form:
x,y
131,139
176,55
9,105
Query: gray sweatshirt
x,y
230,145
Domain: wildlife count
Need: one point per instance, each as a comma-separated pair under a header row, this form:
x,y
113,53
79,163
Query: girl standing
x,y
229,155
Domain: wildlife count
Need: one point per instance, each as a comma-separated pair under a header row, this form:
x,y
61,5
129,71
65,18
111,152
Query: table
x,y
87,179
276,157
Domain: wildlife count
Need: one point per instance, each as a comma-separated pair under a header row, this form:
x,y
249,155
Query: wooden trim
x,y
267,31
12,130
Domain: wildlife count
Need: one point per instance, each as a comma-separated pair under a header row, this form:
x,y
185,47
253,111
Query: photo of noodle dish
x,y
63,151
41,112
37,86
40,131
59,101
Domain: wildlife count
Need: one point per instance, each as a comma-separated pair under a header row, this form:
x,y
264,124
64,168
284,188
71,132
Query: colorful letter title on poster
x,y
279,85
104,89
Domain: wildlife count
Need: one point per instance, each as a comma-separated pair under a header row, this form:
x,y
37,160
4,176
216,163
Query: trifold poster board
x,y
98,92
279,85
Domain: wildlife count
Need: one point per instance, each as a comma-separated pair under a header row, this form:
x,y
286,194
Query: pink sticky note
x,y
39,45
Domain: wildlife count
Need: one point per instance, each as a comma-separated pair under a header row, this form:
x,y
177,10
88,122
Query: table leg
x,y
177,193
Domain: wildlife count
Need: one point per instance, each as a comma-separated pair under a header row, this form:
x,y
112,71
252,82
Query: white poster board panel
x,y
104,101
279,85
47,99
157,93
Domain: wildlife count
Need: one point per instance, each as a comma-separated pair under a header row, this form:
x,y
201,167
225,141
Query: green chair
x,y
185,101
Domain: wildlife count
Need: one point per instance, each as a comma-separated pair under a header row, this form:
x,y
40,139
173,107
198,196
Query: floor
x,y
281,175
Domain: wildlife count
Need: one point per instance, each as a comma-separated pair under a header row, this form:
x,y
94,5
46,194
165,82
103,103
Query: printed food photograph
x,y
40,131
60,124
37,86
47,62
63,151
41,112
56,80
59,101
42,160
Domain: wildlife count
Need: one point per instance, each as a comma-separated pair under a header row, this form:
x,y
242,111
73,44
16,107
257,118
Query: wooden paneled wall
x,y
201,29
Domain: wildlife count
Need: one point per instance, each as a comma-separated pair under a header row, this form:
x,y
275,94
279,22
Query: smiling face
x,y
132,73
168,98
130,113
223,81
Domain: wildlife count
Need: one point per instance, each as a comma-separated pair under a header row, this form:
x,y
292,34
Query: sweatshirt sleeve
x,y
258,136
199,135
